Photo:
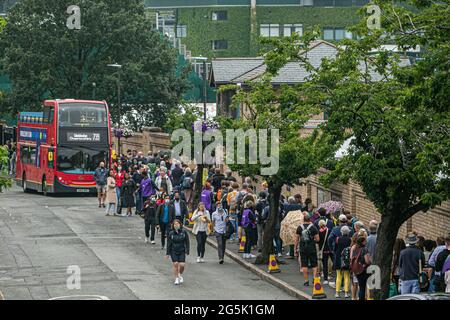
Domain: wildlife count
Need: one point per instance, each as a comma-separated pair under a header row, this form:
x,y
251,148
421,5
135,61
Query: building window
x,y
320,196
336,34
269,30
219,44
289,29
219,15
181,31
336,197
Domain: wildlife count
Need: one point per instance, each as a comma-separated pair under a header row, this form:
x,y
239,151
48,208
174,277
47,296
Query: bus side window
x,y
49,114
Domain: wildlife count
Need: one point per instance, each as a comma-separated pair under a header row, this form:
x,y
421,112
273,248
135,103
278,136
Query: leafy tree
x,y
398,116
282,108
44,59
5,181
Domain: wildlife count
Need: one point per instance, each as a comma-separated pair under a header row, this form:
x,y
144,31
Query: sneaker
x,y
279,255
346,295
202,260
180,279
152,242
103,205
146,240
177,281
107,214
306,283
325,282
337,295
245,256
221,261
198,259
99,205
250,256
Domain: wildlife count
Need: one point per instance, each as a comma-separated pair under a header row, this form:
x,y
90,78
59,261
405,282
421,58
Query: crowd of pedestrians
x,y
331,246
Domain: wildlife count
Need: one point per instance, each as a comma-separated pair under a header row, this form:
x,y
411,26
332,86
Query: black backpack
x,y
187,183
345,259
229,230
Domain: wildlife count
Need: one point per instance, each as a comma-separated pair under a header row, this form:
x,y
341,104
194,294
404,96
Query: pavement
x,y
288,279
43,238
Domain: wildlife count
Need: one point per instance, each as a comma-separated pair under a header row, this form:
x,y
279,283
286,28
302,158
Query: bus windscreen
x,y
82,115
79,160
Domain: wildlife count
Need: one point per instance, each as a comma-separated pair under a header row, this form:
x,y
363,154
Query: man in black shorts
x,y
307,236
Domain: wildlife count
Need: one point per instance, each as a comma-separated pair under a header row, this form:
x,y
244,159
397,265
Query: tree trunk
x,y
269,229
198,186
387,234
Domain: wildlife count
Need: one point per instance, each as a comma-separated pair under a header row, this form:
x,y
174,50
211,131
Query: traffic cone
x,y
318,292
242,244
273,264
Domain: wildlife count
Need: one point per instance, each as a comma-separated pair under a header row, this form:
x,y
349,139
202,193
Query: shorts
x,y
101,189
178,257
308,259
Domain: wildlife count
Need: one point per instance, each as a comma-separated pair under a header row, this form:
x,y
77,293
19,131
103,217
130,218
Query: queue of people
x,y
334,247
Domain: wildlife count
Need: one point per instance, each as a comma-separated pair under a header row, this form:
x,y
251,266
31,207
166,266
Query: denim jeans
x,y
234,221
409,286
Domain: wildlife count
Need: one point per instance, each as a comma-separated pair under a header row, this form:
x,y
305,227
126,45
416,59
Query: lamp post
x,y
203,59
119,67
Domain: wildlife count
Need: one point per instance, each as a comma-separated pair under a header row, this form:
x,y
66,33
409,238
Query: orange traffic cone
x,y
273,264
242,244
318,292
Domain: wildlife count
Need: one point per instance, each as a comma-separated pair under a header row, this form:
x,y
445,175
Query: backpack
x,y
233,200
223,199
206,199
306,234
345,259
355,263
187,183
229,230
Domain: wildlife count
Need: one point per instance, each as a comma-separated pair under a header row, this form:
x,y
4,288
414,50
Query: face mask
x,y
119,168
177,199
167,201
177,228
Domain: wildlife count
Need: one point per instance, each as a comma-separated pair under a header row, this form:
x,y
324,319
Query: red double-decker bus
x,y
59,148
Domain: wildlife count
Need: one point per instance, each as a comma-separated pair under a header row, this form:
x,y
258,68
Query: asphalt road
x,y
42,236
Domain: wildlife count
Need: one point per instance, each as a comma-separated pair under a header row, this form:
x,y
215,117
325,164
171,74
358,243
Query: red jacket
x,y
119,178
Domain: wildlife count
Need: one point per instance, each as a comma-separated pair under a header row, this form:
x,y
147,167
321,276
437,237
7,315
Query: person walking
x,y
100,177
187,182
181,210
307,236
177,174
207,197
232,201
128,190
165,214
148,187
219,222
111,194
163,181
261,215
119,175
440,283
372,239
177,249
137,178
399,245
410,262
359,261
150,219
342,261
324,253
201,219
250,228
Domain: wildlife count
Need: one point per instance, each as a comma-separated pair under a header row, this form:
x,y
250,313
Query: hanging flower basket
x,y
122,133
204,125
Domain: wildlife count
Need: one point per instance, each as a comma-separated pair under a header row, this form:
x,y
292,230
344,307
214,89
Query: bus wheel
x,y
24,183
44,186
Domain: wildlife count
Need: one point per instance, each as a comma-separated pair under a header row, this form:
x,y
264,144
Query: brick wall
x,y
431,224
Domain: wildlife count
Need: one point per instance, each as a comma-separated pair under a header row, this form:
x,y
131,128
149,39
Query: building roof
x,y
240,70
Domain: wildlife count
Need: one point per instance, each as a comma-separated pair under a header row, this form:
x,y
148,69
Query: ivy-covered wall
x,y
201,30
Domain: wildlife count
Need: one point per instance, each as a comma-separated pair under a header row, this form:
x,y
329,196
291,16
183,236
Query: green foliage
x,y
201,30
5,180
44,59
